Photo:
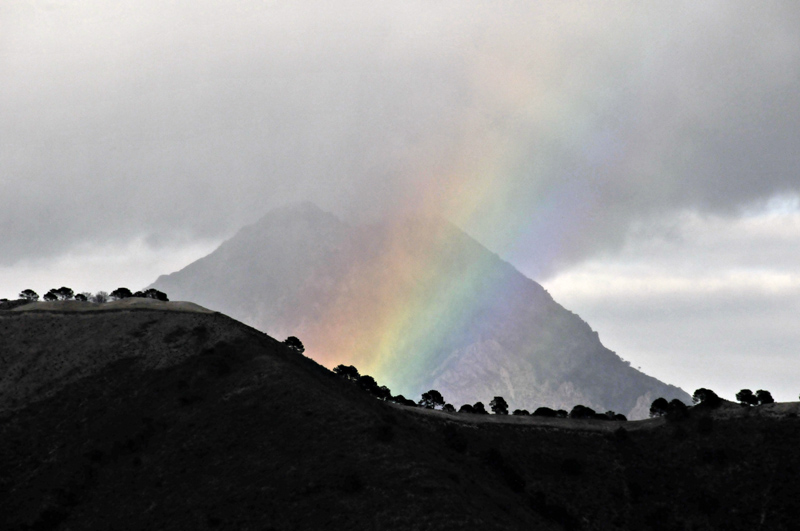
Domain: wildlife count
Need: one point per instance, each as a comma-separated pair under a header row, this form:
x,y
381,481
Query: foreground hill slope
x,y
190,420
418,304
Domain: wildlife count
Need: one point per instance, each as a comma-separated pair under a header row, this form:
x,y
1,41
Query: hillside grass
x,y
157,420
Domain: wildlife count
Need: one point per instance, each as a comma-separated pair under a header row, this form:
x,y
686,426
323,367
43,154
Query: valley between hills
x,y
143,414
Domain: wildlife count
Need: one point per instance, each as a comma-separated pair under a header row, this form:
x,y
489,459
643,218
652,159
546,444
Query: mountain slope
x,y
191,420
416,303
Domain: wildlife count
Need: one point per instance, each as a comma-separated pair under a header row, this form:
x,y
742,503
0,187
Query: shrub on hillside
x,y
64,293
673,410
659,407
61,294
152,293
29,295
499,406
382,393
747,398
544,412
294,345
764,397
612,415
581,412
368,384
677,410
403,401
348,372
101,297
431,399
121,293
706,397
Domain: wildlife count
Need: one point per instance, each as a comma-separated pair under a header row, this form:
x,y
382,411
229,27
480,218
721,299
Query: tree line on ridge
x,y
65,294
433,399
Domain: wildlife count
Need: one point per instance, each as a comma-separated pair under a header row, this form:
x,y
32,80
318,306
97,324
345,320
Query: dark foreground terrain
x,y
140,418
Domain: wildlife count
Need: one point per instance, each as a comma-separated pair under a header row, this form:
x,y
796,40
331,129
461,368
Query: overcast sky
x,y
638,159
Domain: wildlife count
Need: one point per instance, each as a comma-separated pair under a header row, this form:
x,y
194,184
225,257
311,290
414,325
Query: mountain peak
x,y
297,208
417,304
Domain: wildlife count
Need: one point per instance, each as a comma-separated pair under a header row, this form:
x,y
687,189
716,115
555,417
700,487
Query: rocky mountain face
x,y
418,304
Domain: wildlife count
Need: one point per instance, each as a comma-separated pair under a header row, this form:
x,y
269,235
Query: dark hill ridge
x,y
190,420
474,327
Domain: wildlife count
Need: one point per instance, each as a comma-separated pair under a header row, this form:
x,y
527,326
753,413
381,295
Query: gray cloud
x,y
712,302
176,118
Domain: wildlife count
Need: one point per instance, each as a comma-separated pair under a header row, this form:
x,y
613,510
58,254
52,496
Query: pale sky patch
x,y
726,319
95,268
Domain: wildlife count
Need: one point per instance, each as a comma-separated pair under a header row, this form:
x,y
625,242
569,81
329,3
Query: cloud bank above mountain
x,y
546,130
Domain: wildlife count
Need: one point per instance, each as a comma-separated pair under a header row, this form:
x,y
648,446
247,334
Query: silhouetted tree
x,y
383,393
562,414
544,412
764,397
400,399
449,408
63,293
706,397
466,408
294,344
499,406
659,407
620,417
348,372
121,293
581,412
747,398
100,297
677,410
29,295
50,296
478,407
521,412
431,399
368,384
81,297
152,293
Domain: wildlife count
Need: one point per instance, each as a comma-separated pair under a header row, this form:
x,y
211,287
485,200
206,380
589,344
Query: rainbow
x,y
410,308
